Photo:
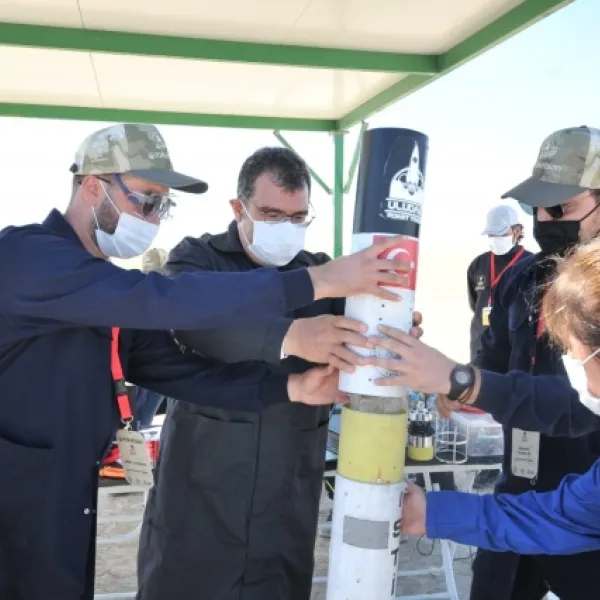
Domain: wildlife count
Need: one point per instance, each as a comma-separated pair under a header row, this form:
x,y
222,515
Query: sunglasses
x,y
555,212
150,205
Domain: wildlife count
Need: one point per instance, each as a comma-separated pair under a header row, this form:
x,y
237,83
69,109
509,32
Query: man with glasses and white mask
x,y
255,480
74,327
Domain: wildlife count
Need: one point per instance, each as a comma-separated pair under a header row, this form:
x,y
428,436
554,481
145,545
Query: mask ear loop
x,y
112,235
241,229
593,355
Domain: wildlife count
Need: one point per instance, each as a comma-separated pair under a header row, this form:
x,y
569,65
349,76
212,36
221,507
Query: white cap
x,y
500,219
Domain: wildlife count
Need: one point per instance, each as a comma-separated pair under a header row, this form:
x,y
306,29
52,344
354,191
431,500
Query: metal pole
x,y
355,157
338,193
312,172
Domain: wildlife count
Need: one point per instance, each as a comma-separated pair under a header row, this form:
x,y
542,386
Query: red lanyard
x,y
493,279
118,379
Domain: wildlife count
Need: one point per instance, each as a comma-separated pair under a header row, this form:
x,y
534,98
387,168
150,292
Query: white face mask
x,y
275,244
501,245
578,379
132,236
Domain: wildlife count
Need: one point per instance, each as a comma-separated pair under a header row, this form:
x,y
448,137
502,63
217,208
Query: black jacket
x,y
235,507
478,288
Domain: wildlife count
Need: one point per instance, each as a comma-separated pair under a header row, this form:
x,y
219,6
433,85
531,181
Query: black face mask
x,y
556,237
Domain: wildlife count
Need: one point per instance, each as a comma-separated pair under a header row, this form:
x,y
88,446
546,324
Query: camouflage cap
x,y
138,150
568,164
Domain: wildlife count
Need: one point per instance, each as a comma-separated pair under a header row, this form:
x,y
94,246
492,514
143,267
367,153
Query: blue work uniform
x,y
511,343
58,413
565,521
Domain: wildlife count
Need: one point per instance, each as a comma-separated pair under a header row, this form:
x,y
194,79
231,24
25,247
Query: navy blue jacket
x,y
509,344
546,403
511,354
58,414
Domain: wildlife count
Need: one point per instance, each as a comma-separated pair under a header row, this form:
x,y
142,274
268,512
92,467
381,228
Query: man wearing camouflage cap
x,y
519,377
74,327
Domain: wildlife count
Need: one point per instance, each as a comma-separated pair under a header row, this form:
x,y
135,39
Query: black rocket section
x,y
391,181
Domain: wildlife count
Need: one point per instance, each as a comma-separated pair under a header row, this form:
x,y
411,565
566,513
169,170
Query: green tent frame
x,y
419,69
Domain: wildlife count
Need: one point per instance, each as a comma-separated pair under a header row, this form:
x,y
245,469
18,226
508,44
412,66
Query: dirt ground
x,y
116,562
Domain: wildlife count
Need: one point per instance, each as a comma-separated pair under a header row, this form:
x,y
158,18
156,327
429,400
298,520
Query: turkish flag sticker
x,y
408,251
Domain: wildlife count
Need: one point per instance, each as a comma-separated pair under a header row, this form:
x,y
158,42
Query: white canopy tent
x,y
311,65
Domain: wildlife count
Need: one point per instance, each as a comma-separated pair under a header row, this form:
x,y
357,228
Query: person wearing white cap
x,y
504,233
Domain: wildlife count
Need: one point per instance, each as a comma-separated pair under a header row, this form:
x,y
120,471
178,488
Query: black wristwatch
x,y
462,378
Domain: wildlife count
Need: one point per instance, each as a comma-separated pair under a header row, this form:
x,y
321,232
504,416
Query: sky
x,y
485,122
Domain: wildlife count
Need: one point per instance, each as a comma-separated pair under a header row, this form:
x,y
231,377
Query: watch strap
x,y
457,389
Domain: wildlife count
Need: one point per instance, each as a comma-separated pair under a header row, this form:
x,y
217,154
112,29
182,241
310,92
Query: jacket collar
x,y
57,223
229,241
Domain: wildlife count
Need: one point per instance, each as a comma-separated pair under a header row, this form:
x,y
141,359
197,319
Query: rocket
x,y
365,532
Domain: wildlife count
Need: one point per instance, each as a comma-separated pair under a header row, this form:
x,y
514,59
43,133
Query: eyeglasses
x,y
150,205
274,216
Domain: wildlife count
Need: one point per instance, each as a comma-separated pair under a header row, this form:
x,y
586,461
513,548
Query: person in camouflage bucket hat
x,y
568,164
137,150
74,327
128,193
563,191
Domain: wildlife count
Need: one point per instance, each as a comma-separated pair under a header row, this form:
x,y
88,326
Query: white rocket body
x,y
374,312
365,536
369,485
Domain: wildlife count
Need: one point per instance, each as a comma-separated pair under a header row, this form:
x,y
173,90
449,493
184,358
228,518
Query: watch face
x,y
462,377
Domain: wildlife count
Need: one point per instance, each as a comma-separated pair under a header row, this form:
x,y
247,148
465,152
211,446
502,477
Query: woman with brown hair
x,y
564,521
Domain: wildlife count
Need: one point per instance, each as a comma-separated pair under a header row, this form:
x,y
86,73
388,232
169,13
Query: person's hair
x,y
571,305
287,169
521,233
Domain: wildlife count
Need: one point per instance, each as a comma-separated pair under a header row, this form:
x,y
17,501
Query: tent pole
x,y
338,192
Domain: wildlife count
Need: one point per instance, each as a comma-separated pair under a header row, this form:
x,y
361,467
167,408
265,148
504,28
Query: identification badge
x,y
525,456
135,458
485,316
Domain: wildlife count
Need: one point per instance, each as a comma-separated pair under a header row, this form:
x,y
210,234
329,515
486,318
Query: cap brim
x,y
541,194
172,179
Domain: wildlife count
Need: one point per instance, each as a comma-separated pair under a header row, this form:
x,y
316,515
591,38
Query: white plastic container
x,y
484,435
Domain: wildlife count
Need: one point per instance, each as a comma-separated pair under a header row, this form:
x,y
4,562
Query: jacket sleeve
x,y
494,350
156,363
50,282
565,521
544,403
471,294
338,306
254,339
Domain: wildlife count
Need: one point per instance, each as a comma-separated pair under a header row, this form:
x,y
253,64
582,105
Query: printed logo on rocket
x,y
405,199
408,251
